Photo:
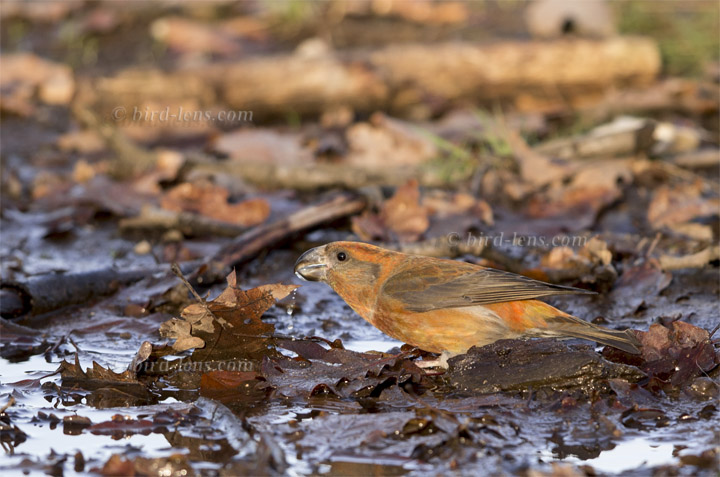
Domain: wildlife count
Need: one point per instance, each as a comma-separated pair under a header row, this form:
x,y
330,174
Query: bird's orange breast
x,y
458,329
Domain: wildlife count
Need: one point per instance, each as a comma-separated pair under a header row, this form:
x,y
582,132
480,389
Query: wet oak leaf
x,y
97,372
109,388
338,372
238,331
673,355
235,386
120,426
206,325
188,342
175,328
199,317
306,349
194,313
220,380
180,330
631,394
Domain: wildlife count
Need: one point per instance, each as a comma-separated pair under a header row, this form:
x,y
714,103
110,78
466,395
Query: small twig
x,y
178,273
653,245
641,244
59,342
11,402
75,345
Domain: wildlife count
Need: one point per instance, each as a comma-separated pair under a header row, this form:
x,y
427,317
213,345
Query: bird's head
x,y
343,263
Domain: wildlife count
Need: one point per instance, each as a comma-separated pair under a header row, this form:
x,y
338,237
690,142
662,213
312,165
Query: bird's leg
x,y
440,362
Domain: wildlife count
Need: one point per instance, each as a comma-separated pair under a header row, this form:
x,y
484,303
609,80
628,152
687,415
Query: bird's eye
x,y
341,256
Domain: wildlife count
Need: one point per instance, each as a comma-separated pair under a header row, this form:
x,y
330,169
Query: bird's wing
x,y
428,285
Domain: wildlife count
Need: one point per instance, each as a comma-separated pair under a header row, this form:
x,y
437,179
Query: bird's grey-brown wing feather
x,y
438,284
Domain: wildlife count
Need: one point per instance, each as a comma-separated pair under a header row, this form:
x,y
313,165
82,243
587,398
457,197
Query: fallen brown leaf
x,y
387,142
118,465
575,206
222,380
441,205
230,326
120,426
235,386
675,205
212,201
536,168
336,372
672,356
638,284
25,76
190,36
263,145
400,218
86,142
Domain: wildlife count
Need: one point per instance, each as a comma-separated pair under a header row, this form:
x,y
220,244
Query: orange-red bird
x,y
446,306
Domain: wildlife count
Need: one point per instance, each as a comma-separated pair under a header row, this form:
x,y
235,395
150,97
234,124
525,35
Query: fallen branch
x,y
396,77
263,237
517,365
323,176
704,158
624,136
155,220
685,96
45,293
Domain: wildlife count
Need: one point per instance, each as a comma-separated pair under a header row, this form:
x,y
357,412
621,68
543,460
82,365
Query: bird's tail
x,y
570,326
